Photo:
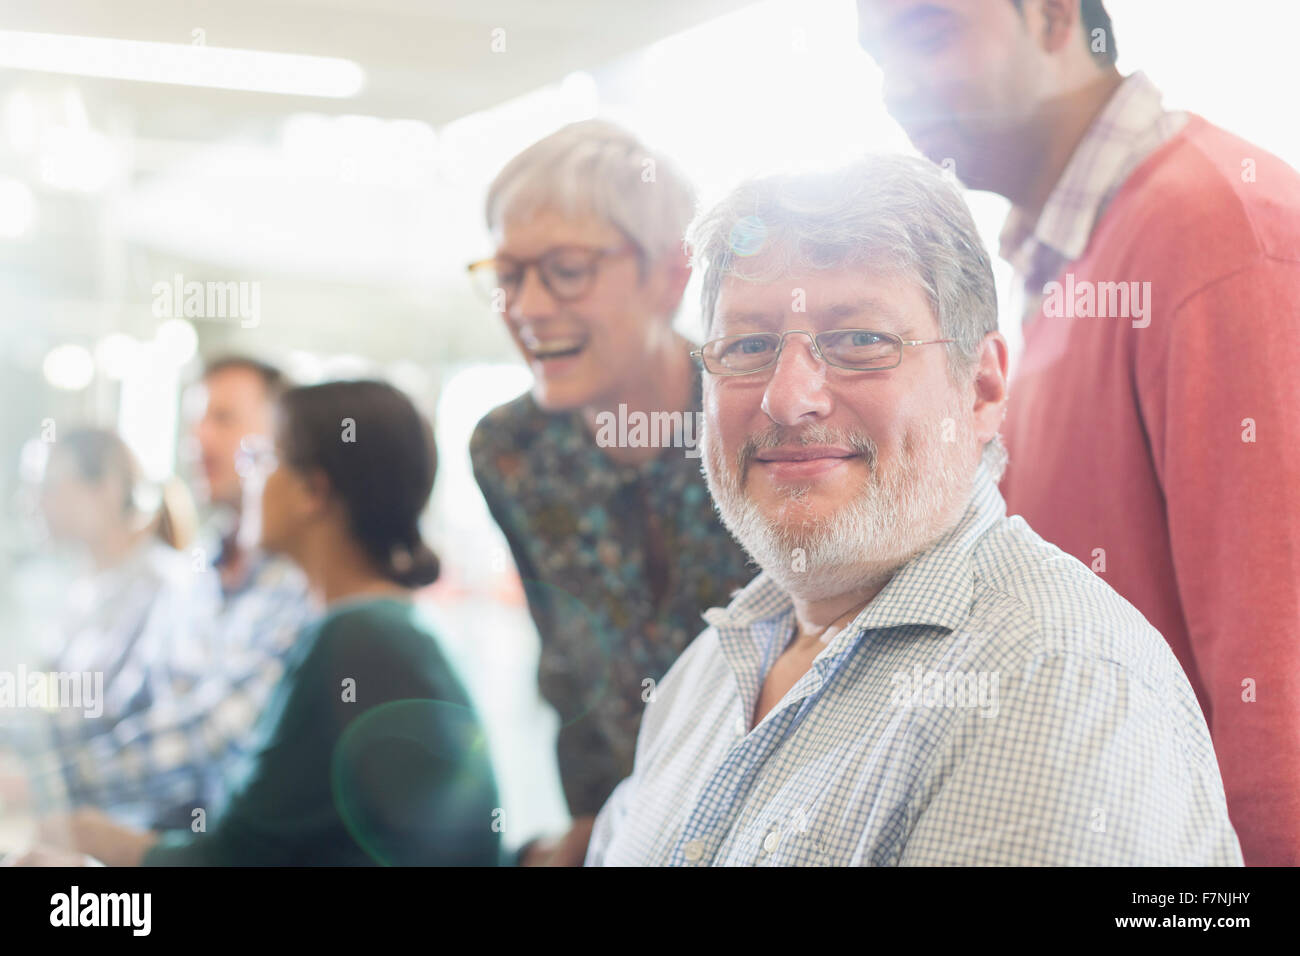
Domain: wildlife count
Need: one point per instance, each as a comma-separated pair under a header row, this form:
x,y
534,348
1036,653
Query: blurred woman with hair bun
x,y
369,751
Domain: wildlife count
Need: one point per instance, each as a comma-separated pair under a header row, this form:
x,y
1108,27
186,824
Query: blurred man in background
x,y
260,603
1154,430
234,403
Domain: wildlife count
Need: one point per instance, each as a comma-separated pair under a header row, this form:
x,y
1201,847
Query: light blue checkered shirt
x,y
996,704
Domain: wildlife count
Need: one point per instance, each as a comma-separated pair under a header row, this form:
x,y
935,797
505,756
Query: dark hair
x,y
272,378
100,454
378,454
1093,15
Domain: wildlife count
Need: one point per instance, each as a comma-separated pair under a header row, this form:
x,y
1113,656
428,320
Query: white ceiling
x,y
424,59
81,275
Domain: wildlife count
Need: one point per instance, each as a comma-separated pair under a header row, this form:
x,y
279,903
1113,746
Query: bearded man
x,y
915,678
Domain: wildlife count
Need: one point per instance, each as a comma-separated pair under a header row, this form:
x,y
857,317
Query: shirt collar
x,y
934,588
1114,144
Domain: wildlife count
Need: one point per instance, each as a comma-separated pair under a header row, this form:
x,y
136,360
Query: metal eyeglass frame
x,y
698,354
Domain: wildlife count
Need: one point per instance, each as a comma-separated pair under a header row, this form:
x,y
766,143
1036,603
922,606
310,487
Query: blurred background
x,y
329,158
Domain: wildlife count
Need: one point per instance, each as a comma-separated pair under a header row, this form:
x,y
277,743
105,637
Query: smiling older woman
x,y
616,541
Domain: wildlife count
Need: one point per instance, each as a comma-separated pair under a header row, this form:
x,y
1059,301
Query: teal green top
x,y
368,752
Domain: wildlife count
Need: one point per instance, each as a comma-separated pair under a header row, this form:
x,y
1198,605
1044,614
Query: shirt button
x,y
771,840
693,850
740,726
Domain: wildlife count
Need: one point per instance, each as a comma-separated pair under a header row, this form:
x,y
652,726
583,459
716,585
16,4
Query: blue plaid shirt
x,y
996,704
203,677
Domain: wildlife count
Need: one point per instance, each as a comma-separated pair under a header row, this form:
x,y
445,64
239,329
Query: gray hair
x,y
599,169
883,212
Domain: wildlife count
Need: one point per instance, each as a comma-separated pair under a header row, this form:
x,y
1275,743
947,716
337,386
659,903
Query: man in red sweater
x,y
1154,419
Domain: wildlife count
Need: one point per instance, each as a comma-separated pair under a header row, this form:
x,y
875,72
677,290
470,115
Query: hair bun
x,y
414,567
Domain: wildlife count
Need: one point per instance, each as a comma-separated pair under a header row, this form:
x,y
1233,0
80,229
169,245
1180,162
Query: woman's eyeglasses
x,y
567,272
860,350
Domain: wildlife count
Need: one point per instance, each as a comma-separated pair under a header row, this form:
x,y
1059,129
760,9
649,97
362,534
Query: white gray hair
x,y
886,212
599,169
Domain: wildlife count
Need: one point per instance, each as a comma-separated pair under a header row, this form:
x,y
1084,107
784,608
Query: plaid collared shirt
x,y
1131,126
201,670
995,704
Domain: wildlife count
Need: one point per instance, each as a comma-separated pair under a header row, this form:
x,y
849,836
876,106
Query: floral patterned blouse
x,y
618,562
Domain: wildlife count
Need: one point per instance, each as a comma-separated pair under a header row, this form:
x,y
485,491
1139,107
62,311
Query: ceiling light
x,y
182,63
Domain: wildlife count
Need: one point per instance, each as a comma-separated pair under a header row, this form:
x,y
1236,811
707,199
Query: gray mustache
x,y
780,435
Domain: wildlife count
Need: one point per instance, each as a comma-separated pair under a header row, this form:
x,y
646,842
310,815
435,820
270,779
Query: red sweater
x,y
1174,448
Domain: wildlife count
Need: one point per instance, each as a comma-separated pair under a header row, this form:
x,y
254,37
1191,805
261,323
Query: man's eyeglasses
x,y
860,350
567,272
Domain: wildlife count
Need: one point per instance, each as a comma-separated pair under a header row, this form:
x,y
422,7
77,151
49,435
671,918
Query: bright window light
x,y
177,341
79,159
117,355
17,208
69,367
148,411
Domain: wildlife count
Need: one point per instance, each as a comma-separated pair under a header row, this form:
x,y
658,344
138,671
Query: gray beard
x,y
899,512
